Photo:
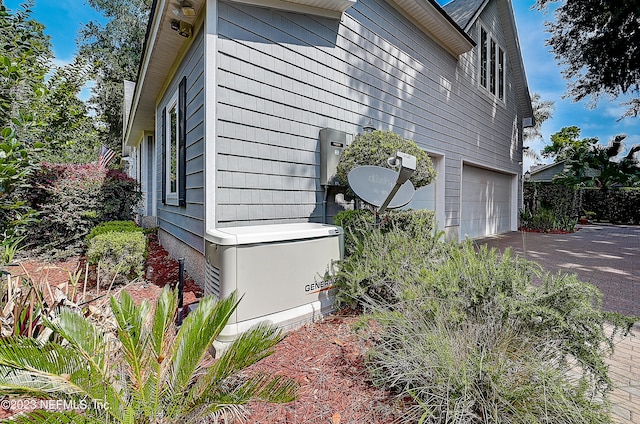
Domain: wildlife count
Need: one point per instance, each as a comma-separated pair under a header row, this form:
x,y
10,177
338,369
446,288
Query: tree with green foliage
x,y
148,371
566,143
114,51
591,164
542,111
614,170
598,42
24,63
25,52
67,129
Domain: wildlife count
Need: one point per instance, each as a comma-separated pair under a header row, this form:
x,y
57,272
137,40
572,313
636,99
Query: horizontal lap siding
x,y
187,223
282,77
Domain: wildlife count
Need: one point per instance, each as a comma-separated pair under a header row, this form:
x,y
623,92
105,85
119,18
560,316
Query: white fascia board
x,y
327,8
436,24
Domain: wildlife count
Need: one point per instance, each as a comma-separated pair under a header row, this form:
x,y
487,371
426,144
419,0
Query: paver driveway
x,y
607,256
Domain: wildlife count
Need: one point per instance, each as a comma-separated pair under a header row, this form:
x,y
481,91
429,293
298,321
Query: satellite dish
x,y
373,184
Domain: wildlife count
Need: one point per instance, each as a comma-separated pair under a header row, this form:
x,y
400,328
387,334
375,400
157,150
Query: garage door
x,y
486,202
424,198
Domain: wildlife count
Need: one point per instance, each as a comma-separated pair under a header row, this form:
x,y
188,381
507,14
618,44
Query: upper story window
x,y
492,64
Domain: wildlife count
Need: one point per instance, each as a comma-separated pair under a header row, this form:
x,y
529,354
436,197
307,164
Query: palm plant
x,y
145,371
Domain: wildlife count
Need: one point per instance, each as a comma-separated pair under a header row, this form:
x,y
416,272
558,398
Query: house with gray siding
x,y
232,95
544,173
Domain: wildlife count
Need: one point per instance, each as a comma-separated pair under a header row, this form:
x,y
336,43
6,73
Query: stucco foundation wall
x,y
194,262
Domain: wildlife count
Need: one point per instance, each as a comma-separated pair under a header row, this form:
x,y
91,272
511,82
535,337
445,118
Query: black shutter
x,y
182,142
163,156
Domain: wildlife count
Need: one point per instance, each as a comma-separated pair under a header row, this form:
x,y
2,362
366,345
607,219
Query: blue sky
x,y
544,77
63,19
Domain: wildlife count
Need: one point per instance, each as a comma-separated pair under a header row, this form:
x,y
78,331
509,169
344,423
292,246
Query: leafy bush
x,y
149,371
618,206
121,195
376,259
114,226
16,166
545,220
72,199
374,148
550,207
118,253
472,341
418,224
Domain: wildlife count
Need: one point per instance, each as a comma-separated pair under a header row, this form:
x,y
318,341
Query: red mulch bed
x,y
325,358
160,270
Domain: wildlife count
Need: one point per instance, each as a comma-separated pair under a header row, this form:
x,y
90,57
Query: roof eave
x,y
435,21
161,50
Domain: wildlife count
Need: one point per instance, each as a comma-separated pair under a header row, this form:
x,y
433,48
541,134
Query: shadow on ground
x,y
607,256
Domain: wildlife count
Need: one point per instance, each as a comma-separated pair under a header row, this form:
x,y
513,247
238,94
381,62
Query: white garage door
x,y
425,197
486,202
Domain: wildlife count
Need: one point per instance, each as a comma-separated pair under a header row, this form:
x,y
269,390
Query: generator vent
x,y
212,280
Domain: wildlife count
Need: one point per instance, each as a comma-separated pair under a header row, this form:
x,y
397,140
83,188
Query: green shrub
x,y
120,253
544,219
114,226
417,224
16,167
376,259
618,206
374,148
121,196
472,341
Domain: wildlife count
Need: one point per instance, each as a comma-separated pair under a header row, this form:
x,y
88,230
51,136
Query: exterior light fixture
x,y
185,10
183,28
369,127
188,10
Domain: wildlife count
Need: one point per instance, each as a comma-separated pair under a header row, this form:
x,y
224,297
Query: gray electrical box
x,y
332,142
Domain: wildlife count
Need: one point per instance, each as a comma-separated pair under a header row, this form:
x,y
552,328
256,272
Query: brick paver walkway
x,y
607,256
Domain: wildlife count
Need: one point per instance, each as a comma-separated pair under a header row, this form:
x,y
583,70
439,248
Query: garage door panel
x,y
423,198
486,202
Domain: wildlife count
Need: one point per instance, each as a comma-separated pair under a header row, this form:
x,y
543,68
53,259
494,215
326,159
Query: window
x,y
174,148
492,64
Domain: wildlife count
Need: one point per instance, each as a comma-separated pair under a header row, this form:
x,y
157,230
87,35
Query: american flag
x,y
106,156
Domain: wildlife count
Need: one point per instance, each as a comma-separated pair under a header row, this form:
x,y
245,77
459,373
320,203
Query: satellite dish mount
x,y
382,187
